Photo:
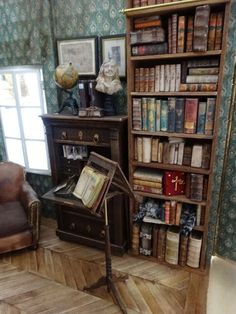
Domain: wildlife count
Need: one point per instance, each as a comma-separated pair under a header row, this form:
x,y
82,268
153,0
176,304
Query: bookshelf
x,y
145,105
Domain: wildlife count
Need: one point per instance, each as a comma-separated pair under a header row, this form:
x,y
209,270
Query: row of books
x,y
143,3
174,151
75,152
167,244
180,115
192,185
201,32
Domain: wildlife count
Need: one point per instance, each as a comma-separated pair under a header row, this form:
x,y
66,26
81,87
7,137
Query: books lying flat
x,y
148,174
90,187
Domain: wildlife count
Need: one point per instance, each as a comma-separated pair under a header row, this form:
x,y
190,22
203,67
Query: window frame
x,y
15,70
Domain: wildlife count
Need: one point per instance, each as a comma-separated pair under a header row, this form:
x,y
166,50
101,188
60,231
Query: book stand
x,y
118,181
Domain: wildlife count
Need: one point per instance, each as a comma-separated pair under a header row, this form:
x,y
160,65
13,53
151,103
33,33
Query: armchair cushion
x,y
13,219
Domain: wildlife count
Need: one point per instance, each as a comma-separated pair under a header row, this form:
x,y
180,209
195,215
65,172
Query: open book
x,y
91,187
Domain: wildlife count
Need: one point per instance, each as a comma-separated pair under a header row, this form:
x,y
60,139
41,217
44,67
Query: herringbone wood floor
x,y
52,280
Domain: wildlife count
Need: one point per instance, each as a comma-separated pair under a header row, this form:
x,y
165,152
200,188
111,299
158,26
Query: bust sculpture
x,y
108,81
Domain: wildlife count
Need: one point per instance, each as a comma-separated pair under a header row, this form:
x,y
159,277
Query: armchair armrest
x,y
32,206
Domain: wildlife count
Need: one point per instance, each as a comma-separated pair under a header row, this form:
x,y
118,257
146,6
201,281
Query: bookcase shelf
x,y
184,55
171,167
150,85
169,134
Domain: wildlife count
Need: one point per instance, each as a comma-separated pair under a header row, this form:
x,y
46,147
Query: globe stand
x,y
70,102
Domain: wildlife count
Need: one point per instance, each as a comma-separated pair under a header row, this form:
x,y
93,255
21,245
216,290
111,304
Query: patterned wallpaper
x,y
29,30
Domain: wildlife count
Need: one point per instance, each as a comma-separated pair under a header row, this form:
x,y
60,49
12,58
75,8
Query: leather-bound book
x,y
212,31
136,79
198,87
189,39
149,49
83,94
161,244
196,187
157,77
147,149
181,34
171,114
135,238
190,117
205,188
178,213
194,250
201,117
143,3
136,3
174,32
179,115
137,114
172,245
183,249
139,148
196,160
167,212
187,185
187,157
174,183
210,116
200,32
146,239
141,80
144,114
219,30
206,155
151,108
173,205
151,82
158,115
146,79
155,240
170,34
155,144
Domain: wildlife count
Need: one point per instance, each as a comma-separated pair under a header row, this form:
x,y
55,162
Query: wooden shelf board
x,y
74,142
166,8
182,94
157,165
178,198
169,134
175,56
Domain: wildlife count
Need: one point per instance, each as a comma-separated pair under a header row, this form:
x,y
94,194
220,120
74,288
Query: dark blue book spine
x,y
171,114
179,115
164,115
201,118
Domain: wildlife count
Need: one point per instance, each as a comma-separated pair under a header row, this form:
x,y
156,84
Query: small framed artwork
x,y
81,52
114,47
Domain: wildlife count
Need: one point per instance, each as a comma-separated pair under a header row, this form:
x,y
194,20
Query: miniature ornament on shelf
x,y
66,78
108,83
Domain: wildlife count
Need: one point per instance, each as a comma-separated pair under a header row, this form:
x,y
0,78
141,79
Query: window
x,y
22,101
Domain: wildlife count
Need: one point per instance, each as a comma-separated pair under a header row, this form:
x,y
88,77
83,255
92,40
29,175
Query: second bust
x,y
108,81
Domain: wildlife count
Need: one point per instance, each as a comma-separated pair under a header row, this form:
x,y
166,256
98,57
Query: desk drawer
x,y
82,225
90,135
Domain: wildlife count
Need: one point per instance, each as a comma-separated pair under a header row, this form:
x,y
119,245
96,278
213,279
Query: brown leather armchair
x,y
19,210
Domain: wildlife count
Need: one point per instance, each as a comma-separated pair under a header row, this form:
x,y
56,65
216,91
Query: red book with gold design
x,y
174,183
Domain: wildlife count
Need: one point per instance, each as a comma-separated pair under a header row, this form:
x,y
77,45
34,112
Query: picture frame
x,y
114,46
81,52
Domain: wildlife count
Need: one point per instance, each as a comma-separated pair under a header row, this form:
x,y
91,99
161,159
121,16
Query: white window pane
x,y
32,123
37,157
14,151
28,89
10,122
7,96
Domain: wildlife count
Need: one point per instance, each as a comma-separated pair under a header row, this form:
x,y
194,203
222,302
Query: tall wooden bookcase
x,y
185,7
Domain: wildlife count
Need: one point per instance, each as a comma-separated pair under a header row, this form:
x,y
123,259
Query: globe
x,y
66,77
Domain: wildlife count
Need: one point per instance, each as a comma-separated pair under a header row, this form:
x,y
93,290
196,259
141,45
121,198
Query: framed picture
x,y
81,52
114,47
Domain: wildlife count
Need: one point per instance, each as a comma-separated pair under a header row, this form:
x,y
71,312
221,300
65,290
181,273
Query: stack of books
x,y
147,180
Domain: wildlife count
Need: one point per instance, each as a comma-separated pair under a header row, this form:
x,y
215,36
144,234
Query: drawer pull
x,y
63,135
88,228
102,234
80,135
72,226
96,138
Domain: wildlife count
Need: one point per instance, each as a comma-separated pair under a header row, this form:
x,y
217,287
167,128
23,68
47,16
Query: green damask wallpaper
x,y
29,30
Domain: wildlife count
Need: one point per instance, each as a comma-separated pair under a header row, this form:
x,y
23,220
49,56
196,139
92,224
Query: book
x,y
135,238
151,111
157,77
90,185
172,246
196,160
149,49
167,211
144,114
146,79
151,81
179,115
174,24
219,31
158,115
201,117
154,240
200,32
160,152
171,114
172,78
149,35
177,76
206,78
180,154
174,183
164,116
161,243
155,144
137,114
187,156
147,189
153,184
148,174
181,34
212,31
83,94
147,148
178,213
139,24
196,187
139,148
141,80
136,79
136,3
190,115
203,71
210,116
197,63
170,34
183,249
206,155
162,78
167,77
198,87
189,39
173,205
194,250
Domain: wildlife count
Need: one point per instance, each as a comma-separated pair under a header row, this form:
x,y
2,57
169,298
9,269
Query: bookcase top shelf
x,y
169,134
181,94
175,56
166,8
156,165
178,198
